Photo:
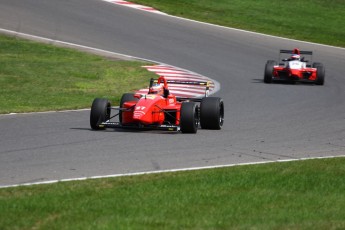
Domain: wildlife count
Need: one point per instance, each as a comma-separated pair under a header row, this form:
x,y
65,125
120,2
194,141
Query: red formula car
x,y
160,110
295,68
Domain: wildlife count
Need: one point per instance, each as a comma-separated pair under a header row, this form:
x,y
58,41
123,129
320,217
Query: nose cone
x,y
143,111
138,113
295,72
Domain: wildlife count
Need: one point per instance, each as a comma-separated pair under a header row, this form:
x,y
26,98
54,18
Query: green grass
x,y
310,20
292,195
39,77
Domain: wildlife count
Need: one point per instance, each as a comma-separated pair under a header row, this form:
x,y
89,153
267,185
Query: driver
x,y
295,57
160,87
296,51
157,89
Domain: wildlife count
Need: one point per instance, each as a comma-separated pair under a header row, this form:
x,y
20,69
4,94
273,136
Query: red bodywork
x,y
152,109
300,72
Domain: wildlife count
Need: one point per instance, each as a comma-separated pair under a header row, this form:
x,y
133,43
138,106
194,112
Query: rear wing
x,y
301,52
202,83
206,84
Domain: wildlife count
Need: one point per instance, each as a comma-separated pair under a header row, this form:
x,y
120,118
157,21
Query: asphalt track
x,y
262,122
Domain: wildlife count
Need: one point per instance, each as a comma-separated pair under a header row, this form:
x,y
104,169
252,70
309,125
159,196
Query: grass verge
x,y
292,195
309,20
39,77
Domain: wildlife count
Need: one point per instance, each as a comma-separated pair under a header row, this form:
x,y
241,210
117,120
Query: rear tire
x,y
268,75
211,113
320,73
126,97
100,112
315,64
189,118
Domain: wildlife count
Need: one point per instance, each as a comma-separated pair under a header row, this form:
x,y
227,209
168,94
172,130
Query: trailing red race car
x,y
160,110
295,68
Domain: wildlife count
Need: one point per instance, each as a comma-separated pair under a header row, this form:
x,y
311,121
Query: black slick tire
x,y
320,73
100,112
268,75
189,117
211,113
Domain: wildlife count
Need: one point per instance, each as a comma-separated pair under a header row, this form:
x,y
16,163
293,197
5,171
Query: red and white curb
x,y
177,74
135,6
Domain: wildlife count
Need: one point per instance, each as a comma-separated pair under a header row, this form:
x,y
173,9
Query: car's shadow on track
x,y
274,82
282,82
128,131
257,81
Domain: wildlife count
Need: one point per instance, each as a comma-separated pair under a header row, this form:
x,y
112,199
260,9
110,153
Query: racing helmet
x,y
157,89
295,57
296,51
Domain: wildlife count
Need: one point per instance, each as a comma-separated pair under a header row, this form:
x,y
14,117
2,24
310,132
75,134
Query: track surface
x,y
263,122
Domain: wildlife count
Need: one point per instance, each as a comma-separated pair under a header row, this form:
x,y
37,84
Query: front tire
x,y
320,73
211,113
100,112
268,75
189,118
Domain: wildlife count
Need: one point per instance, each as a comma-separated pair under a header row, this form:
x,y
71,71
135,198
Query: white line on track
x,y
165,171
45,112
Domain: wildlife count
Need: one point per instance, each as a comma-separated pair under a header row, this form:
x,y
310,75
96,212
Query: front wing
x,y
306,75
110,124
